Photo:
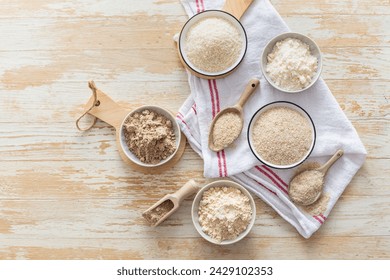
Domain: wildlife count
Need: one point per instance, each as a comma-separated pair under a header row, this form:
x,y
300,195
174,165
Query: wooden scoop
x,y
314,187
166,206
237,7
237,109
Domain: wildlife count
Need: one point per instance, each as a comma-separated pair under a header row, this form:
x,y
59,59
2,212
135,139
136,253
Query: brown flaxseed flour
x,y
155,214
224,213
282,136
226,129
149,136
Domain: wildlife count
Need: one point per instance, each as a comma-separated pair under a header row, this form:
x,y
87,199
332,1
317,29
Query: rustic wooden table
x,y
68,195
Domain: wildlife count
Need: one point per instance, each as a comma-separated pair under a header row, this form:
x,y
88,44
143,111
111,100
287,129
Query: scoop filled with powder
x,y
227,125
226,129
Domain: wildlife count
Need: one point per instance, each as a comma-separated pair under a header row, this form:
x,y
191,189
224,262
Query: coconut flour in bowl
x,y
291,65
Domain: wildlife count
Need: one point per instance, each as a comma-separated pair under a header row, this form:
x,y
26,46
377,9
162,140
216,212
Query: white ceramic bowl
x,y
268,107
314,49
195,208
206,14
166,114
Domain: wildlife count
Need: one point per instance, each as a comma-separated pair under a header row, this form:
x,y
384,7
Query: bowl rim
x,y
197,199
176,129
249,130
198,71
276,39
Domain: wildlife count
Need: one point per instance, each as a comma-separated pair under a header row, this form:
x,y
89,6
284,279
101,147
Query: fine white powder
x,y
213,45
290,65
224,213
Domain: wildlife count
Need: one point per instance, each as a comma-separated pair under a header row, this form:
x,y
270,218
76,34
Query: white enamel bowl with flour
x,y
195,209
160,111
208,36
276,150
314,50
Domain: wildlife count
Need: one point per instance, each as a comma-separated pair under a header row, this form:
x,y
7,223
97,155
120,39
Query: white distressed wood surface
x,y
68,195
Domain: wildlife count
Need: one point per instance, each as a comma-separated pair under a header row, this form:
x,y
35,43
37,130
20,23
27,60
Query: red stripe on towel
x,y
218,109
219,165
212,98
203,8
224,162
276,175
318,219
272,179
182,120
322,216
261,185
197,6
217,95
194,108
213,115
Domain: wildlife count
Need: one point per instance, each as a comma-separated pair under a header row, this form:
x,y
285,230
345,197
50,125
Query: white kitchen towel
x,y
208,97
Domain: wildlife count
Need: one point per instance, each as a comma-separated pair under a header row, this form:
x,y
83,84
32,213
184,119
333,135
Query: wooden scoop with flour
x,y
167,205
306,187
237,110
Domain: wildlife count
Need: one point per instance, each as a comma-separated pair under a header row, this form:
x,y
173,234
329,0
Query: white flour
x,y
224,213
290,65
213,44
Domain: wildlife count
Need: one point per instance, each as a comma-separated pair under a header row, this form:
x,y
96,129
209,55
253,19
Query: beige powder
x,y
155,214
224,213
318,207
305,187
282,136
213,44
149,136
226,129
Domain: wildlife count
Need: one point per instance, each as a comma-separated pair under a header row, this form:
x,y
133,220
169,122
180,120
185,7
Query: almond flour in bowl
x,y
281,135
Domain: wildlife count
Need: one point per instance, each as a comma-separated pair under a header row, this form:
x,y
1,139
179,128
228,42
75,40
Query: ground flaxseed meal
x,y
282,136
155,214
149,136
213,44
224,212
226,129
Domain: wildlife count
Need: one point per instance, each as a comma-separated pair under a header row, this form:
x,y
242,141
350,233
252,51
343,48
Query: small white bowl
x,y
268,107
158,110
207,14
195,208
314,49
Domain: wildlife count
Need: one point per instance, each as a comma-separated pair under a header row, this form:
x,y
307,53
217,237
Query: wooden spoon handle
x,y
186,190
250,88
330,162
237,7
108,110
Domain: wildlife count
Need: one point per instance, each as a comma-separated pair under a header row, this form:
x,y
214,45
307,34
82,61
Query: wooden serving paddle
x,y
102,107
